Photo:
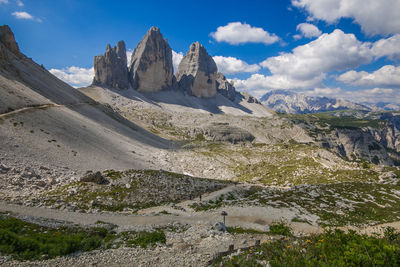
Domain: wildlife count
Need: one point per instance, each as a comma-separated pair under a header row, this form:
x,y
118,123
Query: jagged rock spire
x,y
111,69
197,72
151,68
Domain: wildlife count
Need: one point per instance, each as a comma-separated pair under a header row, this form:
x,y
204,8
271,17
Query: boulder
x,y
197,72
220,227
151,68
96,178
226,133
111,68
249,98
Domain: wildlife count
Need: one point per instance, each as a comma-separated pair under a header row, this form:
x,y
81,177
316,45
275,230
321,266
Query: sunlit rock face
x,y
197,72
151,68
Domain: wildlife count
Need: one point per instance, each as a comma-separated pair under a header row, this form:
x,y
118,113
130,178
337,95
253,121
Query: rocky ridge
x,y
285,101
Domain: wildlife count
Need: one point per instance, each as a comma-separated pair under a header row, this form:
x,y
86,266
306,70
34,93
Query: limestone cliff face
x,y
151,68
197,72
111,69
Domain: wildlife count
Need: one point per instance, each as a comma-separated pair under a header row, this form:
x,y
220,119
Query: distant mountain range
x,y
286,101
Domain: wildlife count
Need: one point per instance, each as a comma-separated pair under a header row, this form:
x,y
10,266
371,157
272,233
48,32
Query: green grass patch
x,y
240,230
332,248
143,239
26,241
280,228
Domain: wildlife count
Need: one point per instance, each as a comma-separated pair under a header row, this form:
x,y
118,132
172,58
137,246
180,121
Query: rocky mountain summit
x,y
151,70
151,67
197,72
285,101
110,69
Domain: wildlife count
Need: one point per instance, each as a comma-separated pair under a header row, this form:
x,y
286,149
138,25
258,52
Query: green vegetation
x,y
285,163
240,230
332,248
337,204
143,239
164,212
131,190
327,122
280,228
113,174
27,241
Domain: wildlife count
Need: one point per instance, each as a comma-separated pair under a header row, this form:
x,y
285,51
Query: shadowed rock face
x,y
111,69
225,88
197,72
8,40
151,68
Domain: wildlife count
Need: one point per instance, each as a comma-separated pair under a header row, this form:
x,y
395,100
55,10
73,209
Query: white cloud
x,y
129,53
325,91
176,59
374,95
307,30
335,51
74,76
231,65
388,75
239,33
258,84
307,65
389,47
22,15
374,16
3,1
19,3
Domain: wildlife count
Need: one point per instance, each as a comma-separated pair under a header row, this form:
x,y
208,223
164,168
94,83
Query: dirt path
x,y
27,109
246,217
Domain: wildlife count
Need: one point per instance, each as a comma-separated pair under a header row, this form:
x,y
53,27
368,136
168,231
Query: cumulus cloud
x,y
375,17
19,3
232,65
389,47
176,59
388,75
239,33
307,30
308,65
74,76
374,95
258,84
335,51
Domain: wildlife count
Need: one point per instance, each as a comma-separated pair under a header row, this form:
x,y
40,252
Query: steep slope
x,y
45,122
290,102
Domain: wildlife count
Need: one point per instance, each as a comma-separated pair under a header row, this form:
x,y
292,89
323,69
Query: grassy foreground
x,y
27,241
332,248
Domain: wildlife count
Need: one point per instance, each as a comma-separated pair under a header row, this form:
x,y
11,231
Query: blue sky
x,y
338,48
